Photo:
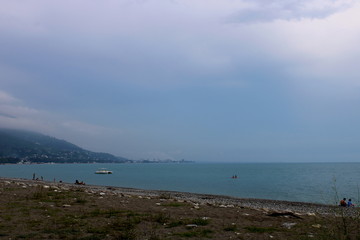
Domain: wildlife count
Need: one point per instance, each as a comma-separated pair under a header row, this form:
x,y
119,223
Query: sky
x,y
200,80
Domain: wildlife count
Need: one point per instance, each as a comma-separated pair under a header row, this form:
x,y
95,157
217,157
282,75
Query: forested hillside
x,y
19,146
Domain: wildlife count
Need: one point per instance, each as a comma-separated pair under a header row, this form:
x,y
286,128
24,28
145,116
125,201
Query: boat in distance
x,y
103,171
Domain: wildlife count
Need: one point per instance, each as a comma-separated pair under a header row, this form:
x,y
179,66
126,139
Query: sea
x,y
301,182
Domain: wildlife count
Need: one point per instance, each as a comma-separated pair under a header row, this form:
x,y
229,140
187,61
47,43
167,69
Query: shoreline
x,y
222,201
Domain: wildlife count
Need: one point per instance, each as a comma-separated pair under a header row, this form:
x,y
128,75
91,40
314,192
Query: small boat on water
x,y
103,171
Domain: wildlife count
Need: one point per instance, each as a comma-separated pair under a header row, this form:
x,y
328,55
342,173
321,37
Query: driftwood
x,y
280,214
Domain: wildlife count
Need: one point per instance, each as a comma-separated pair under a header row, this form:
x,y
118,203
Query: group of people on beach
x,y
77,182
343,203
36,178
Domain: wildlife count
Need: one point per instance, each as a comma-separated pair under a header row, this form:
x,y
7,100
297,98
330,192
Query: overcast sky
x,y
202,80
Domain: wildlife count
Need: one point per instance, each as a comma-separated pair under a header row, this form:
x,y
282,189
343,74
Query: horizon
x,y
205,81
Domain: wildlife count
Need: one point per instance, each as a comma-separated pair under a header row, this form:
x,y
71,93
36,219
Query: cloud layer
x,y
203,80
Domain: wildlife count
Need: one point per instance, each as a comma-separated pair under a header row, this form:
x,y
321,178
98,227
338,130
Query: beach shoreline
x,y
35,209
196,198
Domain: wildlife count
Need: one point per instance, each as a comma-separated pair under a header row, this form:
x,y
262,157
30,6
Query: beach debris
x,y
266,210
46,186
102,194
158,204
196,206
285,214
311,214
288,225
316,225
66,205
191,225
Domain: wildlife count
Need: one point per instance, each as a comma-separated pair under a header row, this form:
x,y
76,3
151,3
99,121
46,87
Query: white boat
x,y
103,171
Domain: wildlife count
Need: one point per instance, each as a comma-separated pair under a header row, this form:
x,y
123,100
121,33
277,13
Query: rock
x,y
191,225
288,225
316,226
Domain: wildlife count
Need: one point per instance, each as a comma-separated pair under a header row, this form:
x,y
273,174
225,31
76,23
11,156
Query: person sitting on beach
x,y
350,204
343,202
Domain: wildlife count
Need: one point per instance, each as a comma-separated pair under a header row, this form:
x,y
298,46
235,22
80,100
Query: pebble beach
x,y
31,209
216,200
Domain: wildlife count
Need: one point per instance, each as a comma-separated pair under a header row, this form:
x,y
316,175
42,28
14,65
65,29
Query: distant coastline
x,y
26,147
94,162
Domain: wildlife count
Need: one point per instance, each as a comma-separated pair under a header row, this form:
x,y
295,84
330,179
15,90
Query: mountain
x,y
19,146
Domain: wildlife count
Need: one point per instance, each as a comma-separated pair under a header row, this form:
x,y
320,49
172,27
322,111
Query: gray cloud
x,y
270,10
145,78
6,115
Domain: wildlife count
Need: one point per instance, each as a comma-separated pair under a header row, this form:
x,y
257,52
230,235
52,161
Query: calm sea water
x,y
304,182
